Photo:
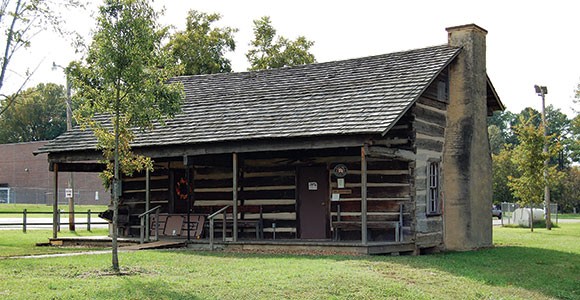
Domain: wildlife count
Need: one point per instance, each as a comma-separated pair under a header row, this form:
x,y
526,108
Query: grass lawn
x,y
569,216
17,243
523,265
6,209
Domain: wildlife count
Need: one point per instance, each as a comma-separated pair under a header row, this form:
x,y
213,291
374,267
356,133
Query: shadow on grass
x,y
128,287
552,273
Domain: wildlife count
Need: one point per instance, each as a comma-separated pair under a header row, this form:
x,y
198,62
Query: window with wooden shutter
x,y
433,179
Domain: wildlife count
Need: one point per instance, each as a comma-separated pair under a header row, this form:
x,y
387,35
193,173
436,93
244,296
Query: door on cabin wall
x,y
313,201
181,192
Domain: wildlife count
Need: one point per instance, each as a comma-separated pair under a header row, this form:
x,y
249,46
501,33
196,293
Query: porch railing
x,y
142,227
211,218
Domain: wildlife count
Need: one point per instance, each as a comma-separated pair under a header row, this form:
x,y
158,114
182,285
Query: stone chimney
x,y
467,188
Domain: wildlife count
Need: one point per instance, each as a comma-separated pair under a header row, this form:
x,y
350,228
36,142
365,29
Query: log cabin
x,y
381,154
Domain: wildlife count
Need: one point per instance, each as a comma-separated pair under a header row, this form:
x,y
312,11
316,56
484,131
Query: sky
x,y
528,42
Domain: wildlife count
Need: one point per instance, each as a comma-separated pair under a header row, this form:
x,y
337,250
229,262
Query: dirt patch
x,y
125,271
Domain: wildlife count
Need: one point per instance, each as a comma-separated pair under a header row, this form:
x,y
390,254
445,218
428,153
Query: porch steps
x,y
157,245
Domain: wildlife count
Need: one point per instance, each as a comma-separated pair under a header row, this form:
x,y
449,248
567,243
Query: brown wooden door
x,y
182,190
313,202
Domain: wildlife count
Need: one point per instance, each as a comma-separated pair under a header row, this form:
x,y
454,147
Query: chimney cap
x,y
471,26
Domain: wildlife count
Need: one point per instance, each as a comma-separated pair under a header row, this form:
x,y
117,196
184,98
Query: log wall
x,y
430,119
267,189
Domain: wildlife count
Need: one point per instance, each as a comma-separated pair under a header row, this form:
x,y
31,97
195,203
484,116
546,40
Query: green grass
x,y
569,216
523,265
16,210
17,243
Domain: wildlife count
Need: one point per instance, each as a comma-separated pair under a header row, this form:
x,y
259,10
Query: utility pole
x,y
542,91
70,183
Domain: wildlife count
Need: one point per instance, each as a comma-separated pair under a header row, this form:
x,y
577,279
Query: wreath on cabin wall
x,y
182,189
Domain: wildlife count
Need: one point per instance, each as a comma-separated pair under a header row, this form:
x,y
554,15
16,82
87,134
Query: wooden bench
x,y
228,223
175,225
339,224
244,224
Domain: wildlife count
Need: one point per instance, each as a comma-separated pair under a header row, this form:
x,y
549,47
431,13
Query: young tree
x,y
201,48
267,53
39,114
528,156
122,85
20,21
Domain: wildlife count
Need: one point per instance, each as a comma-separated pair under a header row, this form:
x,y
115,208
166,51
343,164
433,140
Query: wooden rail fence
x,y
26,222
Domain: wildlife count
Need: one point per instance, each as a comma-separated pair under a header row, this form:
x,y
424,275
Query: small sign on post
x,y
68,193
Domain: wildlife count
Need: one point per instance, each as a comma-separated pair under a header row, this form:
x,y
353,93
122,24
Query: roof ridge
x,y
316,63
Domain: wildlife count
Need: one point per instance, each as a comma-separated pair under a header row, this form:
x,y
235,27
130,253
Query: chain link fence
x,y
44,196
513,214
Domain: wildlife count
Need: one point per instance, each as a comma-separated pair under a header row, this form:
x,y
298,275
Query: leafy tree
x,y
571,190
574,145
529,115
20,21
559,130
528,156
39,114
504,120
267,52
122,85
574,141
201,48
496,139
503,168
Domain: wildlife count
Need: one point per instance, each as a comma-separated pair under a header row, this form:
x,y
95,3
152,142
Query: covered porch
x,y
353,198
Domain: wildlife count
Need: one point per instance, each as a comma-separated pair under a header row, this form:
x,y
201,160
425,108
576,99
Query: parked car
x,y
496,212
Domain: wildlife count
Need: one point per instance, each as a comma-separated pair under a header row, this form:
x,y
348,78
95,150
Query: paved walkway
x,y
59,254
131,248
497,222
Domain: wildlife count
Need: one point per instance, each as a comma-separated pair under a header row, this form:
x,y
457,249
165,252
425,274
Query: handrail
x,y
149,211
142,227
218,212
211,226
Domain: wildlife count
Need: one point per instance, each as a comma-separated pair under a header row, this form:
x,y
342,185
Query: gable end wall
x,y
429,128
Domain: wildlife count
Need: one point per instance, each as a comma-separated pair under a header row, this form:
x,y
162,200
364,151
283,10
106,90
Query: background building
x,y
25,178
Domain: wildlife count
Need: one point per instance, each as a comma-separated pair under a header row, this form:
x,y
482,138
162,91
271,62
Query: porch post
x,y
55,214
235,195
147,204
189,191
363,201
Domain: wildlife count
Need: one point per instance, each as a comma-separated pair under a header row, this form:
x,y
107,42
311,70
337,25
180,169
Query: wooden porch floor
x,y
253,245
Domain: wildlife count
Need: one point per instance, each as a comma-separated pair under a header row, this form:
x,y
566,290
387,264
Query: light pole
x,y
542,91
70,184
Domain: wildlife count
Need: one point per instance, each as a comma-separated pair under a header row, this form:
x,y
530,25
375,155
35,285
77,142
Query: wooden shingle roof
x,y
356,96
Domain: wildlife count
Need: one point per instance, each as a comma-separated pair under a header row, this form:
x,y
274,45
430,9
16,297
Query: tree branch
x,y
9,39
14,96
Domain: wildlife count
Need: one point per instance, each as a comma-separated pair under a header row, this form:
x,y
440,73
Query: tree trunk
x,y
532,218
116,191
